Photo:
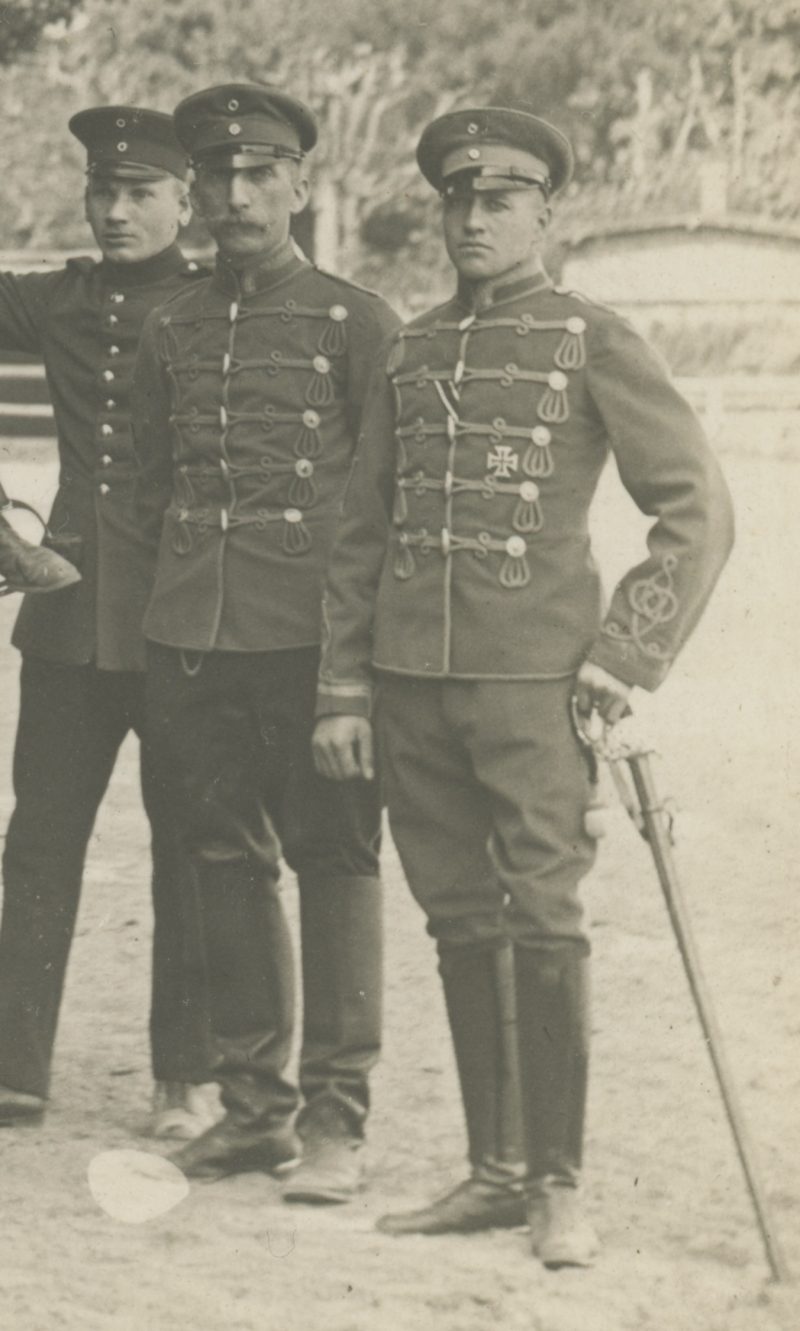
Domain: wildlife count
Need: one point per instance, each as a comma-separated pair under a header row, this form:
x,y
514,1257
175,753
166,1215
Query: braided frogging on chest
x,y
258,395
476,405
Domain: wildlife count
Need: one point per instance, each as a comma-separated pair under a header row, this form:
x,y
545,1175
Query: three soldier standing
x,y
463,611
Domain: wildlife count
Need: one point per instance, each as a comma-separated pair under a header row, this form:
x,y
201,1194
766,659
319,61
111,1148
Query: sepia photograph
x,y
399,444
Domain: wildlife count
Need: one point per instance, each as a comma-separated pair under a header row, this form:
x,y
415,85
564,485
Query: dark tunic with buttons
x,y
248,398
82,681
464,549
85,321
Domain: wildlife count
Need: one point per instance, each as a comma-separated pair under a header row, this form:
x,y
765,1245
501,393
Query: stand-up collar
x,y
258,273
518,281
170,260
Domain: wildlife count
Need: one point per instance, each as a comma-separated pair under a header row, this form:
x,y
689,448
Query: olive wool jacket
x,y
463,551
248,397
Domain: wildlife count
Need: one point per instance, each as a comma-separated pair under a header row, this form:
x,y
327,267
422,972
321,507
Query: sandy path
x,y
680,1249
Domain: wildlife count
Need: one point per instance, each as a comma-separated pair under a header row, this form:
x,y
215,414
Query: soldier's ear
x,y
544,216
184,204
193,195
301,190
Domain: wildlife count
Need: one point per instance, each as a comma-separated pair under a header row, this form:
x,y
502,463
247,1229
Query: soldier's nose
x,y
237,192
473,218
117,210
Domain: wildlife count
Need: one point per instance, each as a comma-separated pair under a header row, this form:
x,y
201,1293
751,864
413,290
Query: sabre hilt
x,y
617,746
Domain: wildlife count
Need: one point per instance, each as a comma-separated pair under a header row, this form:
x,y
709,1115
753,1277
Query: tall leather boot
x,y
251,1000
341,929
479,993
180,1035
29,568
553,1028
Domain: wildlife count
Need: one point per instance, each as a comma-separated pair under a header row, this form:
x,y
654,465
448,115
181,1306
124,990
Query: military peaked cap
x,y
130,141
244,124
494,148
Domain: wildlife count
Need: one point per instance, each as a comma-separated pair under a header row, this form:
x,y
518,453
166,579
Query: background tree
x,y
21,24
648,93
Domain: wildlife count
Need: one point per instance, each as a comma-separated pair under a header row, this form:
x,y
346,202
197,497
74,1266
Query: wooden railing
x,y
24,400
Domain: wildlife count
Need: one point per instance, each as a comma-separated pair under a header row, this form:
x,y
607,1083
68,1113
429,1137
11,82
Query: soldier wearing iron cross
x,y
463,603
249,395
82,679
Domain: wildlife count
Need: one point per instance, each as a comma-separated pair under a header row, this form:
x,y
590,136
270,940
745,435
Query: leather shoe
x,y
330,1170
560,1233
232,1148
181,1111
20,1107
473,1205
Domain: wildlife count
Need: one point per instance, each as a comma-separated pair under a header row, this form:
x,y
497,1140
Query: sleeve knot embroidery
x,y
654,604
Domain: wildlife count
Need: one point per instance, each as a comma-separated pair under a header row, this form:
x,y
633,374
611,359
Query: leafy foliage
x,y
649,93
21,24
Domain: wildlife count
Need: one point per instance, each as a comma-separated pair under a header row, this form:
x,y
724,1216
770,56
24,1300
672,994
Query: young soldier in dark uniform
x,y
82,683
249,390
462,575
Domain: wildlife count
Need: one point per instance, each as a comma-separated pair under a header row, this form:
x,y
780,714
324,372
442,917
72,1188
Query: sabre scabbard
x,y
653,818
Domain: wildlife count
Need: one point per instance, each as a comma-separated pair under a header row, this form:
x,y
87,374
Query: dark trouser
x,y
487,789
238,726
72,721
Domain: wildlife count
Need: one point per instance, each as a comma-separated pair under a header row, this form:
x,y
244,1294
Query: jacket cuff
x,y
343,699
625,661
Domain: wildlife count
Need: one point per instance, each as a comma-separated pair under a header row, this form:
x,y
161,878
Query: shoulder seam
x,y
561,290
426,315
180,294
345,281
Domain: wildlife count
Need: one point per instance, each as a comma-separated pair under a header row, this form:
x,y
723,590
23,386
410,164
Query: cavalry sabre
x,y
653,820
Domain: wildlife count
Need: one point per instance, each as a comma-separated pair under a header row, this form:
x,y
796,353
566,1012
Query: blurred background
x,y
685,215
685,207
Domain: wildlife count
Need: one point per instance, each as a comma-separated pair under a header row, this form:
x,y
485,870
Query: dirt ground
x,y
680,1248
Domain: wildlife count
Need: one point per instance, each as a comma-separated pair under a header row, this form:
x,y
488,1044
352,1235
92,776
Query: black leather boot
x,y
342,940
553,1025
232,1147
476,1204
250,996
331,1166
30,568
20,1107
479,992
